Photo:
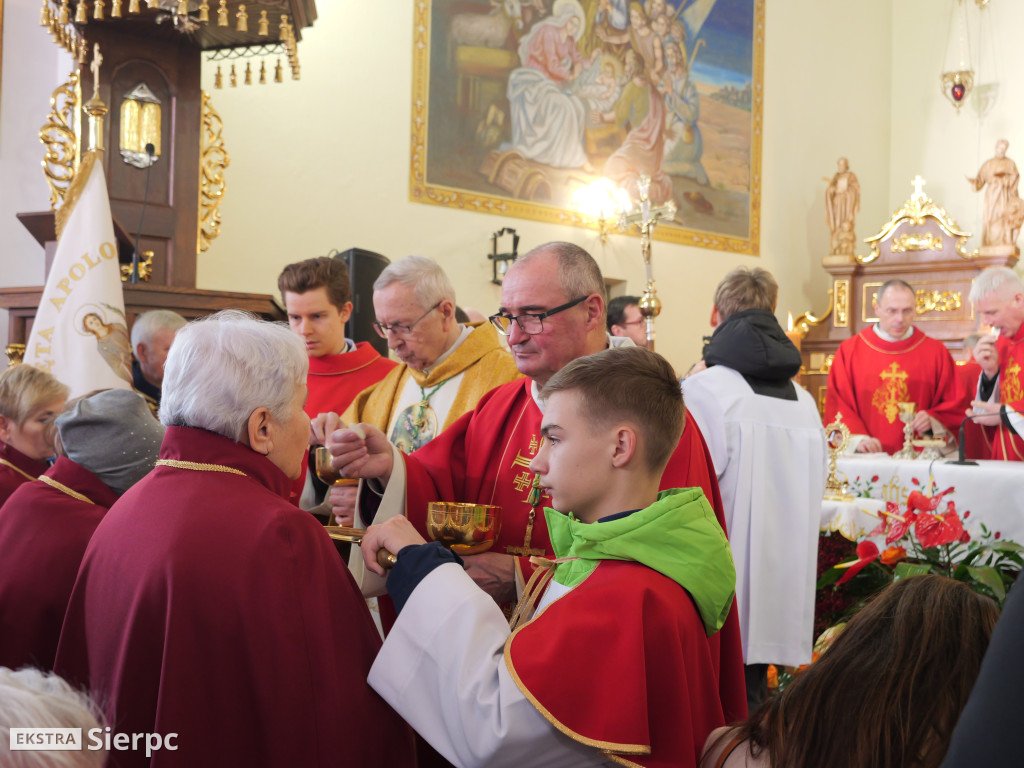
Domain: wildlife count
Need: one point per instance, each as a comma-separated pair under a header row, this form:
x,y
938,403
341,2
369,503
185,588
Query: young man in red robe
x,y
615,664
889,363
998,296
46,525
552,311
207,605
317,295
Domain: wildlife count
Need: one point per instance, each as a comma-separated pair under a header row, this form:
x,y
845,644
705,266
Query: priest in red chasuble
x,y
552,311
998,297
210,607
317,295
889,363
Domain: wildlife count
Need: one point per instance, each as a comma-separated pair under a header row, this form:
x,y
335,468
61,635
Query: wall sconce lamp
x,y
603,202
500,261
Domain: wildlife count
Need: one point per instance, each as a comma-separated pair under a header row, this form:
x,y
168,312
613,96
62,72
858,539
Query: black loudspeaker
x,y
364,267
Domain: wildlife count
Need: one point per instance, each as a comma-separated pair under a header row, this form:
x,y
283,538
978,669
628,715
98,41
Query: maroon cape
x,y
210,607
484,456
334,381
43,534
16,468
637,641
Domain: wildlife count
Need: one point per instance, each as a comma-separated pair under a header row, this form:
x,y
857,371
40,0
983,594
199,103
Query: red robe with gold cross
x,y
333,383
484,457
1007,446
44,530
870,376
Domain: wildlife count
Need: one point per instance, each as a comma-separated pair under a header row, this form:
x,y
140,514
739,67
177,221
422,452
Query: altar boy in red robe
x,y
616,663
889,363
209,607
998,295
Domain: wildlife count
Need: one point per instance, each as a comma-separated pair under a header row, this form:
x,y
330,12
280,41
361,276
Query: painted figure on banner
x,y
112,341
1004,210
842,202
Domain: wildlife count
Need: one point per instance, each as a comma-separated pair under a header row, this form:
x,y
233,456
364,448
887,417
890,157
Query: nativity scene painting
x,y
518,104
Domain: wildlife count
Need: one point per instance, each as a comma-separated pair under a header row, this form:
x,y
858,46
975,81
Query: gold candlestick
x,y
906,416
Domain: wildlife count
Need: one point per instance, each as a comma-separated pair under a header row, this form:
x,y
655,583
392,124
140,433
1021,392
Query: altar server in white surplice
x,y
768,447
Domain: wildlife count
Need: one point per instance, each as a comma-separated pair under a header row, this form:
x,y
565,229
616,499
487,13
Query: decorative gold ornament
x,y
956,86
15,353
65,13
248,73
916,241
95,107
233,80
44,14
264,24
804,322
61,135
204,11
141,124
145,268
218,79
182,8
133,6
82,15
243,19
222,14
115,9
97,11
937,301
915,211
213,159
837,437
842,303
278,72
263,73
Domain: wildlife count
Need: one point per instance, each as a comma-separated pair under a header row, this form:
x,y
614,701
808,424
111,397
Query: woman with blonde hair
x,y
885,695
29,402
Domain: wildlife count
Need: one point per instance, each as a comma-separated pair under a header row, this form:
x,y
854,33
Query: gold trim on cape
x,y
863,337
23,473
197,467
64,489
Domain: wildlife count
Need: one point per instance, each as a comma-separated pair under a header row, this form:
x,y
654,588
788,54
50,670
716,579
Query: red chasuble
x,y
44,529
210,607
16,468
977,438
628,635
869,376
1006,446
484,457
334,381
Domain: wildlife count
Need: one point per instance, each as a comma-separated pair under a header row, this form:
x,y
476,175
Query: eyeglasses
x,y
624,324
529,322
402,330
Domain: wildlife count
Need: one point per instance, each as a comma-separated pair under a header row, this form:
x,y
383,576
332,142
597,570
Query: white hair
x,y
223,367
149,323
991,280
425,276
30,698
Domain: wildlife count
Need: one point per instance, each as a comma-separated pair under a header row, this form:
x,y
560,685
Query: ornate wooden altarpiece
x,y
150,80
921,244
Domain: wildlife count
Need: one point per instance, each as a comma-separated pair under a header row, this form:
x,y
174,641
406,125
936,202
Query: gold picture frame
x,y
465,155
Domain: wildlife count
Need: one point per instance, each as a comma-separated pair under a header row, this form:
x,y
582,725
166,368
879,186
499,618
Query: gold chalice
x,y
907,411
326,472
466,529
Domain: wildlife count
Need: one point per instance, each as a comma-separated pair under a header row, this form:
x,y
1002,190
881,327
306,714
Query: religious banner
x,y
519,105
80,333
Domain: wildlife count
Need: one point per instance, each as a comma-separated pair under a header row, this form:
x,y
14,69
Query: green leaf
x,y
989,577
829,577
905,570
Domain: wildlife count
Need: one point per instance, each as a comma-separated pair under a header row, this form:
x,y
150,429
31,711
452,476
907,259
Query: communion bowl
x,y
466,529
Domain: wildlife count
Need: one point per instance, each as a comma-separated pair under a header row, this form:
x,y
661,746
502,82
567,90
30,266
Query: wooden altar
x,y
921,244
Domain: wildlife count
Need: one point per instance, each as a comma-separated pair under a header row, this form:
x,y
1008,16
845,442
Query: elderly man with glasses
x,y
552,311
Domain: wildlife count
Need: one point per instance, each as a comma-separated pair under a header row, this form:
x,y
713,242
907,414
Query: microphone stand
x,y
134,276
961,459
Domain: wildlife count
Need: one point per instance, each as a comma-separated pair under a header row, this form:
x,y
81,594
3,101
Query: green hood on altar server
x,y
677,536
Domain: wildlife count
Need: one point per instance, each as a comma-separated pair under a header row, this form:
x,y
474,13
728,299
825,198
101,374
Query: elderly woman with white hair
x,y
207,605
